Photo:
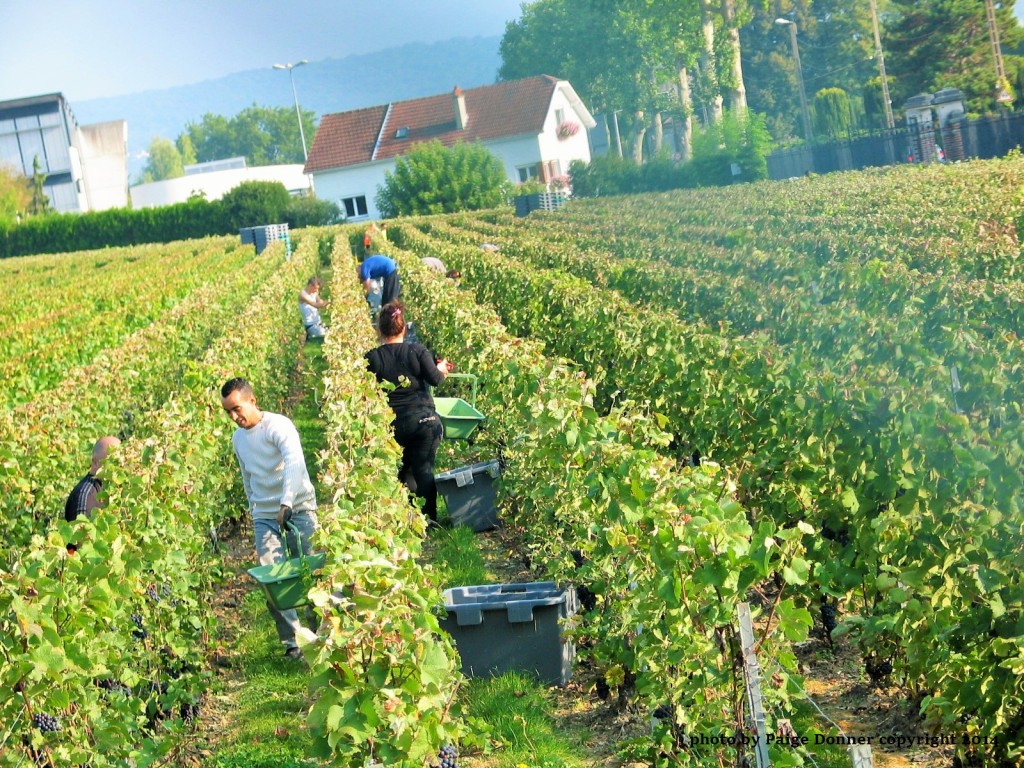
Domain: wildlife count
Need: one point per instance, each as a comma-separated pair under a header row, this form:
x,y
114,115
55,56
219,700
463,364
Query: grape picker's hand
x,y
284,515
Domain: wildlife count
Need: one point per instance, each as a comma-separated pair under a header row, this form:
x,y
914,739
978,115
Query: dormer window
x,y
402,132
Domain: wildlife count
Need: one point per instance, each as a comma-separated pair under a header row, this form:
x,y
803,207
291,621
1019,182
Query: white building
x,y
214,179
86,167
536,126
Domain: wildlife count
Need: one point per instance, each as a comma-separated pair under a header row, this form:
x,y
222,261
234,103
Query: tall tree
x,y
835,43
920,35
164,161
262,135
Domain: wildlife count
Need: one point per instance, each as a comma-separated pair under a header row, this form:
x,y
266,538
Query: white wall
x,y
216,184
104,148
336,185
515,152
564,150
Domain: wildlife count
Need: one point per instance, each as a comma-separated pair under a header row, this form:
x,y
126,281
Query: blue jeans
x,y
270,549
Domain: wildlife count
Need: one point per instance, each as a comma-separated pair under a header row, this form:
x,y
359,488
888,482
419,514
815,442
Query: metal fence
x,y
958,139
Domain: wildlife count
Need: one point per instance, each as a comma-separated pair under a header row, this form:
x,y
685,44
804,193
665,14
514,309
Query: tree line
x,y
262,135
647,61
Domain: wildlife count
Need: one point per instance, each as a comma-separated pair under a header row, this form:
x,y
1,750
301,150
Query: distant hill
x,y
325,86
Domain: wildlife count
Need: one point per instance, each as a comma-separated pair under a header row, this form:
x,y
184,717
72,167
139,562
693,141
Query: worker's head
x,y
391,320
101,449
239,402
314,284
453,274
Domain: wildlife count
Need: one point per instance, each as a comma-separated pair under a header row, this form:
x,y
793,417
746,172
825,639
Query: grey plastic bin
x,y
504,627
469,494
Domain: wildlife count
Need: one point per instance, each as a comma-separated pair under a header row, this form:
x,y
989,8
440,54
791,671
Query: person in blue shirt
x,y
384,269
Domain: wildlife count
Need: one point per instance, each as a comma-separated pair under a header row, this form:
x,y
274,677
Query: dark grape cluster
x,y
829,615
878,669
190,712
114,686
448,755
139,633
152,594
45,723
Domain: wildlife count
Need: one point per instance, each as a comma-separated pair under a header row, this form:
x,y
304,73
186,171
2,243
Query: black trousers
x,y
419,433
391,288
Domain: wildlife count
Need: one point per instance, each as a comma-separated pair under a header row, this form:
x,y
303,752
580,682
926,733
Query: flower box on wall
x,y
567,129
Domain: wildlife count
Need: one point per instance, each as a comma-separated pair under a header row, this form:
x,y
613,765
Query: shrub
x,y
310,212
255,203
433,178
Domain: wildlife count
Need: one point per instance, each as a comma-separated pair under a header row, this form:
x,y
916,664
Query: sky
x,y
89,49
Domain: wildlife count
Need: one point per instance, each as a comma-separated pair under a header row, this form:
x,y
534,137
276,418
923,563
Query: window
x,y
559,116
354,206
527,172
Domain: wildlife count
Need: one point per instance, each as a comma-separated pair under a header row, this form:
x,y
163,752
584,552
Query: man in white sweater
x,y
277,486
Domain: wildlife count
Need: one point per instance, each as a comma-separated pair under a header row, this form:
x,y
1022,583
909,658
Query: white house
x,y
536,126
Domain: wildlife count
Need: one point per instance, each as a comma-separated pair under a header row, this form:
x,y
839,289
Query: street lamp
x,y
298,113
799,78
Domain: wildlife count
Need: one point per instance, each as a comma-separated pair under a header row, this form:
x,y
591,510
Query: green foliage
x,y
433,178
740,140
109,639
115,227
15,196
797,365
40,203
262,135
833,114
306,211
946,44
874,103
164,161
254,203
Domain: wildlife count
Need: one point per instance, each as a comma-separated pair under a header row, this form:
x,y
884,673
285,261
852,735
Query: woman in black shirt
x,y
413,370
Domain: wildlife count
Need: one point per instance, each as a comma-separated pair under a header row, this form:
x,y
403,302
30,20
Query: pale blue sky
x,y
89,49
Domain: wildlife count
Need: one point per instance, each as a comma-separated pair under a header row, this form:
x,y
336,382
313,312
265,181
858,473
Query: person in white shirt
x,y
434,263
310,305
277,487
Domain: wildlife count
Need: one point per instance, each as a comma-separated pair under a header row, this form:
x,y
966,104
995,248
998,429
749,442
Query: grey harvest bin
x,y
504,627
469,494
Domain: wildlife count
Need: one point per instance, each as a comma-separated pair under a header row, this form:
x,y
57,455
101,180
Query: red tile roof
x,y
506,109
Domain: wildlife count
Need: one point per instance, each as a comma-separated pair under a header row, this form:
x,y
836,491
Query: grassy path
x,y
254,716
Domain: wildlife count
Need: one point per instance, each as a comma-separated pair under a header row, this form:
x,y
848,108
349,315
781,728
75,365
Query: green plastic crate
x,y
460,419
284,583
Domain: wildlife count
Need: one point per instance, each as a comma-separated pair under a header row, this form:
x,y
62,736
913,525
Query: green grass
x,y
456,559
518,712
273,696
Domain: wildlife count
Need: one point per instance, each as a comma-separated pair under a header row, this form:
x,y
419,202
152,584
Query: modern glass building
x,y
85,167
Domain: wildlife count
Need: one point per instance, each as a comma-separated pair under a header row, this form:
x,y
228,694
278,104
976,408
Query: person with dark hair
x,y
383,268
277,487
310,305
413,369
84,497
